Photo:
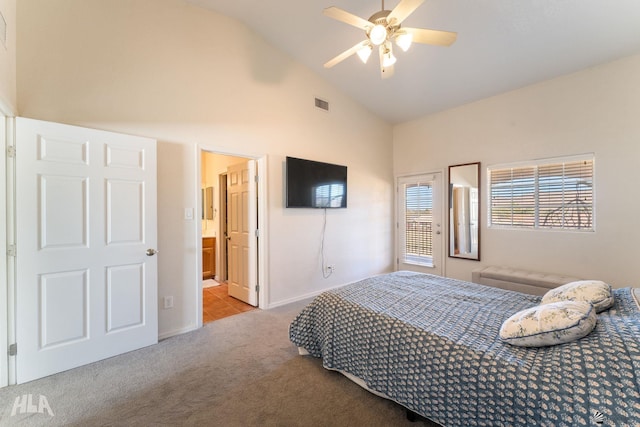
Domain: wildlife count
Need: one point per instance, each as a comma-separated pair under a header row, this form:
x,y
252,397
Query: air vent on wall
x,y
322,104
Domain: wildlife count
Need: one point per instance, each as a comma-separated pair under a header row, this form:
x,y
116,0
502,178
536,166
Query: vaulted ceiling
x,y
501,45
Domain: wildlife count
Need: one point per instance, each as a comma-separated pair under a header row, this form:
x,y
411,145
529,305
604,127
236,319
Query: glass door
x,y
419,237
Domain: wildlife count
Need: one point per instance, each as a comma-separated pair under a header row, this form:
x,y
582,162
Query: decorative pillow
x,y
596,292
549,324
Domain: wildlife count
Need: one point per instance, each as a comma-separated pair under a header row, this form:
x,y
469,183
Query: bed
x,y
431,344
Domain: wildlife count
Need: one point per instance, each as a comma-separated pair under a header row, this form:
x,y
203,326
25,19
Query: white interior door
x,y
420,231
4,289
86,216
241,231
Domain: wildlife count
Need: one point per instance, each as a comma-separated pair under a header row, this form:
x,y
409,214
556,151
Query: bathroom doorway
x,y
225,210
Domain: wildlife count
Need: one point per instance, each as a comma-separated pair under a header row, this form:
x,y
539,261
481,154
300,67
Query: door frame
x,y
221,267
7,283
261,192
442,210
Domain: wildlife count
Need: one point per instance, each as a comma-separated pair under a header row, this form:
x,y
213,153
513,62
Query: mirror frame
x,y
451,250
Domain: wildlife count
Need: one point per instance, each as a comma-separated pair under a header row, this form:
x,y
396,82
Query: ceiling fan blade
x,y
435,37
347,53
347,18
403,10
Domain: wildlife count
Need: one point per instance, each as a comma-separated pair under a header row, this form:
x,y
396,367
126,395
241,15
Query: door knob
x,y
151,252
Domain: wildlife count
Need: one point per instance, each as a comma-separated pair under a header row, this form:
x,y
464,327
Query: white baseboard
x,y
169,334
299,298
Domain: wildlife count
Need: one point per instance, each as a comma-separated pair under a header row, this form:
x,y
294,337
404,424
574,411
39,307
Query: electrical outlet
x,y
168,302
330,268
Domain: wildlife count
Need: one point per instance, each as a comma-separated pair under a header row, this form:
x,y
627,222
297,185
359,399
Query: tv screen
x,y
311,184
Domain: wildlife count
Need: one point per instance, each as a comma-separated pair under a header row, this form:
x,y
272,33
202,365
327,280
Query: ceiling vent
x,y
322,104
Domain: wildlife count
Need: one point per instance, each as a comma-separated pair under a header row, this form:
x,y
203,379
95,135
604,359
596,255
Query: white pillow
x,y
549,324
596,292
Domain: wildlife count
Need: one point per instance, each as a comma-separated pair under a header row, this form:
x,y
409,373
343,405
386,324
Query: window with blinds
x,y
553,194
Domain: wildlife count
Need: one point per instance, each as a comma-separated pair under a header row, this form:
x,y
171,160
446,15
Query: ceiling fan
x,y
382,29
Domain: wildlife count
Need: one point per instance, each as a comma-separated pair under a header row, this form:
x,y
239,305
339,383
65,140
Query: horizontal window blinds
x,y
513,200
551,194
419,219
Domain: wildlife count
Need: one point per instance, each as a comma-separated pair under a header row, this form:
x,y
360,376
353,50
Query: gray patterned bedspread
x,y
431,344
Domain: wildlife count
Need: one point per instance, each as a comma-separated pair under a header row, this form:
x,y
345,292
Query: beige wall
x,y
596,110
194,79
8,60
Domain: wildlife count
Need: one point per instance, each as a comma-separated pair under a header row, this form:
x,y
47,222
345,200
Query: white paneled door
x,y
86,270
241,231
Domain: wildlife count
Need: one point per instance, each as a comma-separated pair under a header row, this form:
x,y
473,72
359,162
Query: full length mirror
x,y
464,211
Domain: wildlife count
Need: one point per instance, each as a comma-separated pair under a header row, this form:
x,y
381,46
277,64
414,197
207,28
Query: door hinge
x,y
13,349
11,151
257,288
257,233
12,250
256,178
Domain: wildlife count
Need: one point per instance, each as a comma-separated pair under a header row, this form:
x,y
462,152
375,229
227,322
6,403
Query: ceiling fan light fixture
x,y
404,41
382,29
378,34
365,53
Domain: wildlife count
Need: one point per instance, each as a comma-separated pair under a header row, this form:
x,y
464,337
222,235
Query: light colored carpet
x,y
238,371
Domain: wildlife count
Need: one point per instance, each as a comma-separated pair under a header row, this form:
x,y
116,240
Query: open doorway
x,y
229,198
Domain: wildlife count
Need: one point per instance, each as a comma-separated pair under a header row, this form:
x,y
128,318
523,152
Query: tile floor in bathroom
x,y
217,304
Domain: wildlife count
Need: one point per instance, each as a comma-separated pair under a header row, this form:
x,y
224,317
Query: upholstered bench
x,y
528,282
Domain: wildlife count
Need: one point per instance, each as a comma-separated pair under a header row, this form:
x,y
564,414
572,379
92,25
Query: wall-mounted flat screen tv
x,y
311,184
